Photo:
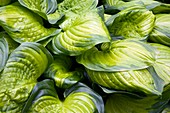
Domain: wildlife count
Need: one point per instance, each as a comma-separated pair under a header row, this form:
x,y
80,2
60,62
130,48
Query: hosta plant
x,y
84,56
79,98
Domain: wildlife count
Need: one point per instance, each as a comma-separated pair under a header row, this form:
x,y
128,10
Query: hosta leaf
x,y
43,88
119,55
114,2
80,90
60,72
166,109
4,2
54,17
162,64
45,8
23,25
161,8
68,7
156,6
161,31
118,5
133,22
24,66
12,45
132,81
4,50
123,103
80,34
78,99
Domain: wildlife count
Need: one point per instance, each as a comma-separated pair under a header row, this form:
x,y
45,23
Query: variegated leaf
x,y
24,66
80,34
23,25
60,72
78,99
162,64
121,55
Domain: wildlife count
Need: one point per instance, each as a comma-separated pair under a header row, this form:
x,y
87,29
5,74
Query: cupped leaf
x,y
23,25
69,7
133,22
4,2
4,50
121,55
78,99
123,103
161,32
162,64
24,66
45,8
80,33
60,72
144,81
81,89
43,88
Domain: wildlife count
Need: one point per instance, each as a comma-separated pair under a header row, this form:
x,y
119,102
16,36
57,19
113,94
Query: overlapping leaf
x,y
166,109
79,99
118,5
12,45
70,7
119,55
161,31
124,103
23,25
4,50
45,8
24,66
145,81
60,72
80,34
133,22
159,7
114,2
162,64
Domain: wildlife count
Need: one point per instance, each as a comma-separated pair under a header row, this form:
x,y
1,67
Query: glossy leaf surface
x,y
24,66
45,8
78,98
133,22
80,34
123,103
70,7
119,55
22,25
60,72
144,81
161,31
162,64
